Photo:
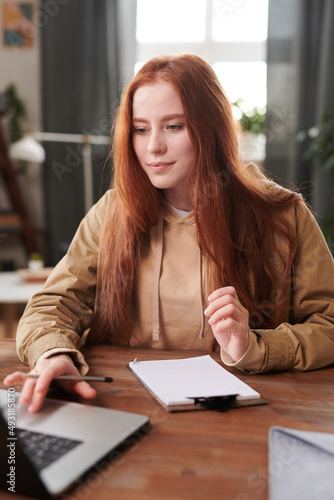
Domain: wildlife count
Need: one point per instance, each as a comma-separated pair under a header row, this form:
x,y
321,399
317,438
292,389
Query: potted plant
x,y
252,125
320,152
35,262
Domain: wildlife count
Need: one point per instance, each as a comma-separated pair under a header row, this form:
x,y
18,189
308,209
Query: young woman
x,y
191,249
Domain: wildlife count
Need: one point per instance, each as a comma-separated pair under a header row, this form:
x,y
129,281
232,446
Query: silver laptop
x,y
56,446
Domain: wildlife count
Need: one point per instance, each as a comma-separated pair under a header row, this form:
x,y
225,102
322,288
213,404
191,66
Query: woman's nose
x,y
156,143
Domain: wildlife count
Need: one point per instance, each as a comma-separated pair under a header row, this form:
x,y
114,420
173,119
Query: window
x,y
163,22
230,34
239,20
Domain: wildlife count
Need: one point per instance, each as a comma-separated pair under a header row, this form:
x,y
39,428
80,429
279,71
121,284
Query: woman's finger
x,y
228,311
27,390
220,292
82,388
18,378
222,299
15,378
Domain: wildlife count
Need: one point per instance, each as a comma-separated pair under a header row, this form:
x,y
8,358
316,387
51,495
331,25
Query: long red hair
x,y
235,214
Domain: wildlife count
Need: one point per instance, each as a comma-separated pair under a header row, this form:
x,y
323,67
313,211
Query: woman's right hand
x,y
35,390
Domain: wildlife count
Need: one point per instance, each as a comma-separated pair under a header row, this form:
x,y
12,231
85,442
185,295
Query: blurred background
x,y
63,65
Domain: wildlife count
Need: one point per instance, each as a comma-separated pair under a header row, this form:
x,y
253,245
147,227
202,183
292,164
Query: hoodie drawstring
x,y
201,333
156,280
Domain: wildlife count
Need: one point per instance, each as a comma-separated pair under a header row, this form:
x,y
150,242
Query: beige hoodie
x,y
171,296
171,293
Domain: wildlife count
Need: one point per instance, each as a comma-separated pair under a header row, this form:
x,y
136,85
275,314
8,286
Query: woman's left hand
x,y
229,321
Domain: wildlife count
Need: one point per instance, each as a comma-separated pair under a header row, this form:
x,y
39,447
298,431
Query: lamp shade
x,y
27,149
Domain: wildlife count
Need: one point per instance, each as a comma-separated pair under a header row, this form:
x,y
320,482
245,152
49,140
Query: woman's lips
x,y
159,166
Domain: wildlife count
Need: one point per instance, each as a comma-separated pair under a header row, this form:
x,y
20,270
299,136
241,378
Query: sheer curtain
x,y
300,90
88,52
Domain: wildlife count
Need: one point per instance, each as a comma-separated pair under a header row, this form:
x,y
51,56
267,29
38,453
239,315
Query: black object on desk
x,y
218,403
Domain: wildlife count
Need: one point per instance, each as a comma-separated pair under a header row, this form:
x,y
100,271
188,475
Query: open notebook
x,y
177,383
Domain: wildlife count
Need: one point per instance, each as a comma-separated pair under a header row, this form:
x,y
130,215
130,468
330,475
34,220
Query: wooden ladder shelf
x,y
18,220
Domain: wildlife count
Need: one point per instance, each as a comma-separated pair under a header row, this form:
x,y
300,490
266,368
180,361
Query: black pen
x,y
86,378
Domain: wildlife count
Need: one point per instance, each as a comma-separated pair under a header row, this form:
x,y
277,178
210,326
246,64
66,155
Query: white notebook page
x,y
173,381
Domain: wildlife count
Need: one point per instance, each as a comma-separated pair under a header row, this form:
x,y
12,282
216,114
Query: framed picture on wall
x,y
17,24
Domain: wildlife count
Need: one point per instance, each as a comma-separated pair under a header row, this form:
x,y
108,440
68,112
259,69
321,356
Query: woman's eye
x,y
175,128
140,130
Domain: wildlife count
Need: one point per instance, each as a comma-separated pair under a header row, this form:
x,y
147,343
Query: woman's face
x,y
161,141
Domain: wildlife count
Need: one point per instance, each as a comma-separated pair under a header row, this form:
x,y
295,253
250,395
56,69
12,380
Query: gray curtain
x,y
88,53
300,90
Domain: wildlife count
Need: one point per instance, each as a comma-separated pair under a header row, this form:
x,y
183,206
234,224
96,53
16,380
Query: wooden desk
x,y
195,455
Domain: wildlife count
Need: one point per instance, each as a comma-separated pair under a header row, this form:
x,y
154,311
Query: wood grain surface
x,y
192,455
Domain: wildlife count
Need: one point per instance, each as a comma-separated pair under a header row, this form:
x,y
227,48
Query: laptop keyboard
x,y
43,449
